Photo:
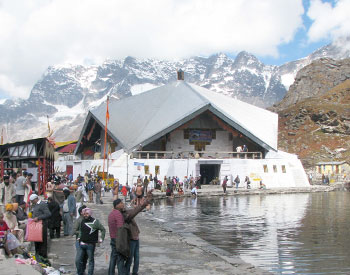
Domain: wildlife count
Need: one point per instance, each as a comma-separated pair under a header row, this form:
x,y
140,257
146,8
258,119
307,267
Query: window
x,y
275,168
186,134
284,169
213,134
146,169
266,170
157,170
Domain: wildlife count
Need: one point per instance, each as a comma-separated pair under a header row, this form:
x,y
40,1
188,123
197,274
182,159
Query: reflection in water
x,y
286,234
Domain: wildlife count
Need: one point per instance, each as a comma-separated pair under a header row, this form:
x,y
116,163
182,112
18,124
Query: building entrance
x,y
208,172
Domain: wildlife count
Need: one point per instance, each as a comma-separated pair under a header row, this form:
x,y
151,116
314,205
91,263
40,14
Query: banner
x,y
200,135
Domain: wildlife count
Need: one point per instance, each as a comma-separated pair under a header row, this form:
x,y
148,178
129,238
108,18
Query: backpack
x,y
122,241
90,186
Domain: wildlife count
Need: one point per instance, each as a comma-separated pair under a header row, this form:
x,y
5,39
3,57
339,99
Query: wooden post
x,y
44,175
39,176
2,168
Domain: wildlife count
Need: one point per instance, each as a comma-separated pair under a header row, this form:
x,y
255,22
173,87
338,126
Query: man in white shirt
x,y
20,184
7,193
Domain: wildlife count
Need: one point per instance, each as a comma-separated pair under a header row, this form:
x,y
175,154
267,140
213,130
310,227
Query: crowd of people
x,y
67,205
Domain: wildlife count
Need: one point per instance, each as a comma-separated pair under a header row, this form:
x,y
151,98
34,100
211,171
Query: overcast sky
x,y
38,33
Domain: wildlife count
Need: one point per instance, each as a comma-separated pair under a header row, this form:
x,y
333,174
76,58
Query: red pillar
x,y
39,176
52,166
44,175
2,168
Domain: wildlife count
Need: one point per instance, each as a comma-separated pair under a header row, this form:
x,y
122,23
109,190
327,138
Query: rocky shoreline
x,y
216,190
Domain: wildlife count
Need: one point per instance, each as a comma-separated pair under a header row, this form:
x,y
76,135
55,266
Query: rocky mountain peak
x,y
245,59
315,80
318,128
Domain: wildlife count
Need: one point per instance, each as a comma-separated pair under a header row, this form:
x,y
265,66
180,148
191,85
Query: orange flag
x,y
107,112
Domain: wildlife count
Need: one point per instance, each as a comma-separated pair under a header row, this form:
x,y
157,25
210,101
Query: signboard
x,y
139,164
200,135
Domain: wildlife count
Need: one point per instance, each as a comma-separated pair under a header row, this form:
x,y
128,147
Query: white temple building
x,y
181,129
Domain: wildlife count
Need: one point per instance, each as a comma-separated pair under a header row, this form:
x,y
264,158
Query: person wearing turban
x,y
11,221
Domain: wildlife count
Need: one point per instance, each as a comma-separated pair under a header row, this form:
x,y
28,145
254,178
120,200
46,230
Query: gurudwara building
x,y
181,129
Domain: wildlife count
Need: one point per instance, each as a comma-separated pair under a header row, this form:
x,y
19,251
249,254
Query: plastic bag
x,y
12,242
34,232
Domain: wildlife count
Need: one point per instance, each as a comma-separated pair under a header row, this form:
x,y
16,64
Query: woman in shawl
x,y
11,221
7,240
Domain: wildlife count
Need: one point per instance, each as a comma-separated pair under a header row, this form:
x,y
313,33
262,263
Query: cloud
x,y
11,88
48,32
329,21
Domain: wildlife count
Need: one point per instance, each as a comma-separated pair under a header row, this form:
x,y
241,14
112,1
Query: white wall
x,y
295,175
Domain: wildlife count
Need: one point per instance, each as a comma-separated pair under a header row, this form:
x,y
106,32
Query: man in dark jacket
x,y
55,219
116,219
88,237
40,212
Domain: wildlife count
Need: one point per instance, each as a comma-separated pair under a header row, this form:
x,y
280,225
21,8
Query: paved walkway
x,y
161,251
10,267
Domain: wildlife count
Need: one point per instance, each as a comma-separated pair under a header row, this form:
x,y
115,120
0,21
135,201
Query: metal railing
x,y
195,155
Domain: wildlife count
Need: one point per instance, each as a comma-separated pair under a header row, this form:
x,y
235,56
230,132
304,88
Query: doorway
x,y
209,172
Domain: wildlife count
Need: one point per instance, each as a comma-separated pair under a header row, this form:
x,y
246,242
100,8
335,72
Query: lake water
x,y
286,234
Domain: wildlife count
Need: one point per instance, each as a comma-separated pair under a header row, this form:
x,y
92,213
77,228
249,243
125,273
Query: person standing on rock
x,y
224,184
145,184
139,193
237,181
247,182
116,219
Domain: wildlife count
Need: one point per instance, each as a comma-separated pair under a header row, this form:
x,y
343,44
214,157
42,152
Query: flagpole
x,y
105,143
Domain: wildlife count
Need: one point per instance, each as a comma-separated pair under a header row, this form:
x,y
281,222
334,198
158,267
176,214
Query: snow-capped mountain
x,y
66,93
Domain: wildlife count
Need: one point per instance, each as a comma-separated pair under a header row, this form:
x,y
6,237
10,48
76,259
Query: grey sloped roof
x,y
142,118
